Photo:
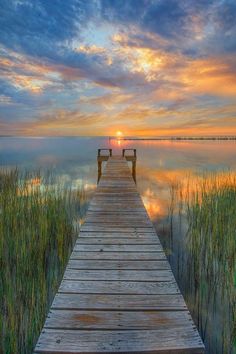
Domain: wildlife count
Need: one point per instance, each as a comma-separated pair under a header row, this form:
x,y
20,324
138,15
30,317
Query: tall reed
x,y
205,207
38,227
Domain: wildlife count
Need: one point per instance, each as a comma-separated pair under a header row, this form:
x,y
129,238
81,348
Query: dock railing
x,y
99,152
101,158
124,150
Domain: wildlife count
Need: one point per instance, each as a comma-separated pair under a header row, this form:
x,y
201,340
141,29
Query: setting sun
x,y
119,134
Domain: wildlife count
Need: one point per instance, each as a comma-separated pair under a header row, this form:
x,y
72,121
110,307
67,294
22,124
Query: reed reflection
x,y
194,214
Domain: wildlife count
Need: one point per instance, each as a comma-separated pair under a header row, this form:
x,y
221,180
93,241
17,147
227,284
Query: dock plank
x,y
119,302
119,320
118,264
119,275
122,256
172,340
110,240
118,248
118,287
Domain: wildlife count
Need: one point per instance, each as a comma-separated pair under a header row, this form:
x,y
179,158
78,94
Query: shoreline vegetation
x,y
39,222
202,252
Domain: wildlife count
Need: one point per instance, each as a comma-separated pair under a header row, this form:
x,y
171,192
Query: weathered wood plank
x,y
120,194
119,275
122,256
74,319
121,287
120,234
119,302
171,341
117,248
109,240
115,218
109,228
114,209
118,264
118,214
118,222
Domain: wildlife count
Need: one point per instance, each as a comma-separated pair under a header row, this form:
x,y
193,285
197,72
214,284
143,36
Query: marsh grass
x,y
207,205
38,228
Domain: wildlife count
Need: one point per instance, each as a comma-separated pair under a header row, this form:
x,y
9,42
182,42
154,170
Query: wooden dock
x,y
118,293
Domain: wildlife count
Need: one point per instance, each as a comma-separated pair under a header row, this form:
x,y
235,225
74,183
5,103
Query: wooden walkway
x,y
118,294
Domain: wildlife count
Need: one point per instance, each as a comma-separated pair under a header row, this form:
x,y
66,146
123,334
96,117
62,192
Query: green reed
x,y
207,204
38,228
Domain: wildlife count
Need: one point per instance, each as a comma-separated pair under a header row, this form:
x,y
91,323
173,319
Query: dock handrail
x,y
124,150
99,151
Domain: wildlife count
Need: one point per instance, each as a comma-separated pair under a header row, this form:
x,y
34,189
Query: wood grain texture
x,y
117,320
118,264
124,256
110,240
171,341
118,293
118,248
118,302
118,287
117,274
147,234
115,228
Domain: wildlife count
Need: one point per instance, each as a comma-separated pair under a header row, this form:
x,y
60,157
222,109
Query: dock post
x,y
134,170
99,171
100,159
133,159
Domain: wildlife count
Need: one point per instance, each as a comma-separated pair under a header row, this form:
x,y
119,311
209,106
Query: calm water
x,y
159,164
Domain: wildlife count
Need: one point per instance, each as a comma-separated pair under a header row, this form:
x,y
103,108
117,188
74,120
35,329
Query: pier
x,y
118,293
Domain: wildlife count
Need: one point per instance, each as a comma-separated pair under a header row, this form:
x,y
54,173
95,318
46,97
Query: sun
x,y
119,134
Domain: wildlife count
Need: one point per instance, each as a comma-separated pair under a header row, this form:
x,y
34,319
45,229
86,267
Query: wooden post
x,y
100,159
133,159
134,170
99,170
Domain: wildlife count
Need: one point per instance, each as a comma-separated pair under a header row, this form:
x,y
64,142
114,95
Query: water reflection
x,y
161,165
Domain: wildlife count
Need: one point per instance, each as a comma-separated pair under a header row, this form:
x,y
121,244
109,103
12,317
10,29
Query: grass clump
x,y
38,228
212,245
205,208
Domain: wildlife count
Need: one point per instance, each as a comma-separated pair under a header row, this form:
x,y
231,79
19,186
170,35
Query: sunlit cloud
x,y
5,100
165,67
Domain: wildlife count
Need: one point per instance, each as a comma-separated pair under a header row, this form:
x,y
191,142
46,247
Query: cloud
x,y
89,66
5,100
194,27
35,27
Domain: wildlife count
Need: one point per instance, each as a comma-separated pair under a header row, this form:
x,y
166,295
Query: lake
x,y
161,165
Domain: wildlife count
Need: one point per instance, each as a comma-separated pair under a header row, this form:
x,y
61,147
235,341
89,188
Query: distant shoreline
x,y
181,138
160,138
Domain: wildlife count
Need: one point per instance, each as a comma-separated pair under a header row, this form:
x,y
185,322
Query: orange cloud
x,y
109,101
134,120
24,73
177,72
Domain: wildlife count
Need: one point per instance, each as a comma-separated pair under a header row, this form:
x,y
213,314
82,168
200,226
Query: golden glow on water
x,y
185,184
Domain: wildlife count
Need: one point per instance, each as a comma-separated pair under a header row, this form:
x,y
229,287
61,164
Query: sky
x,y
95,67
